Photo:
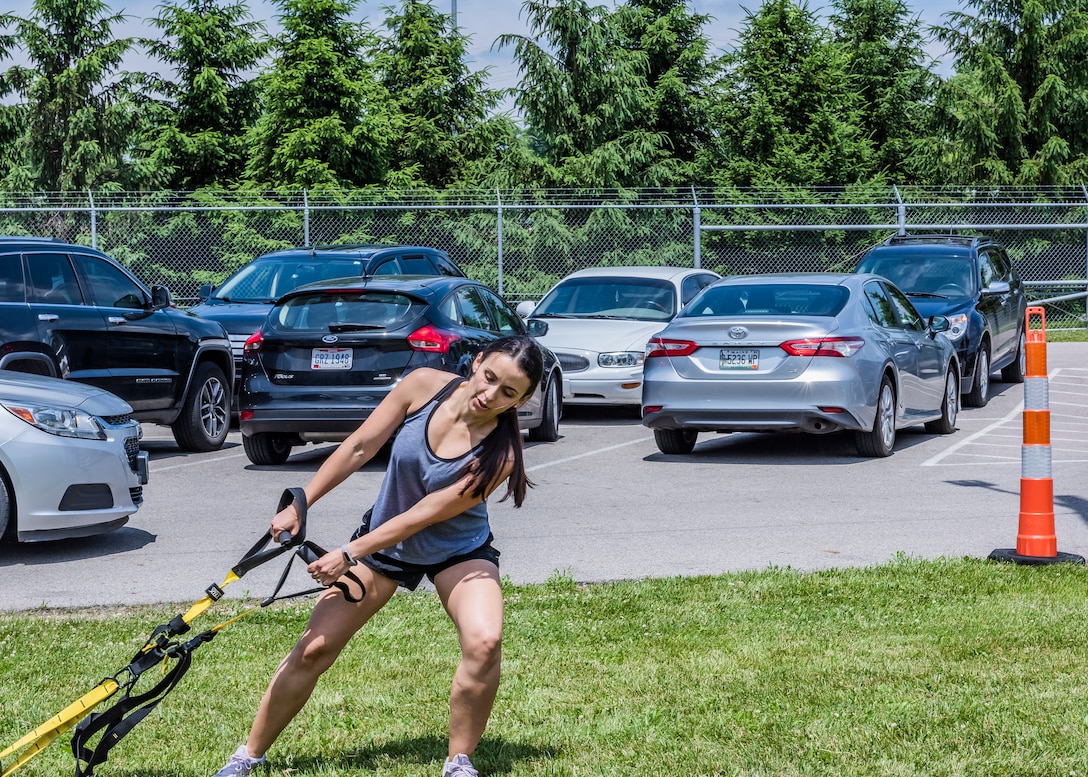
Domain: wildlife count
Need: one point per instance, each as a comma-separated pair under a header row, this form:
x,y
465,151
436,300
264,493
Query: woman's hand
x,y
329,568
286,520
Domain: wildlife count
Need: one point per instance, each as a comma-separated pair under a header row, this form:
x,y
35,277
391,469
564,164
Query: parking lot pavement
x,y
608,505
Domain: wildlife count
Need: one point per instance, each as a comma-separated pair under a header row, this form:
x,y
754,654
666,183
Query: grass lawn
x,y
951,667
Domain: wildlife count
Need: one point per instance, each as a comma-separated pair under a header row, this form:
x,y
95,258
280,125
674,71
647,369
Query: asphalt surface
x,y
607,505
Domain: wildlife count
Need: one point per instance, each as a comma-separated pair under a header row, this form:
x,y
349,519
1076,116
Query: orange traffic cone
x,y
1036,542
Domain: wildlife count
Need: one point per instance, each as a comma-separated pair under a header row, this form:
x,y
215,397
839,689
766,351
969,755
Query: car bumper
x,y
69,487
603,387
761,405
310,424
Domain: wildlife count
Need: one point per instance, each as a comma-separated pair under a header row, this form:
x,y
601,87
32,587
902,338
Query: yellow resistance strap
x,y
44,735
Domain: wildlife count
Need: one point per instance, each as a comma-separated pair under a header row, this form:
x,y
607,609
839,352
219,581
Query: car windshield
x,y
267,280
345,311
931,274
797,299
636,299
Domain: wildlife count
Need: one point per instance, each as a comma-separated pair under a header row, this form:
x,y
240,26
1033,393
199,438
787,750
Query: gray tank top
x,y
415,471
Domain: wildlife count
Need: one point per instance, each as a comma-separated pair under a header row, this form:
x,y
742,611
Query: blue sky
x,y
485,20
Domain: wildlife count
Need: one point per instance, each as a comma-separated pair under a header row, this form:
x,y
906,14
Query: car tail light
x,y
430,338
825,346
253,343
660,346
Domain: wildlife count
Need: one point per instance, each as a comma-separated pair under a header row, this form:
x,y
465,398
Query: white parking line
x,y
197,462
587,453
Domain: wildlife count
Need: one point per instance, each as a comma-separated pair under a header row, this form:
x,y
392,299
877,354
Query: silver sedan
x,y
817,353
70,459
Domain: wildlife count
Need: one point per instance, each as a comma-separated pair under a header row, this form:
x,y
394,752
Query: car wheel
x,y
205,417
978,396
548,431
880,440
946,424
267,448
675,440
1015,372
7,511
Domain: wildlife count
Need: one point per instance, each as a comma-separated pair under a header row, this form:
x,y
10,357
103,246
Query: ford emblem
x,y
738,332
329,339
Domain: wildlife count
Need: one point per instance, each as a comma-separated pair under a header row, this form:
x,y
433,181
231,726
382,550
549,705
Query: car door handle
x,y
48,317
117,320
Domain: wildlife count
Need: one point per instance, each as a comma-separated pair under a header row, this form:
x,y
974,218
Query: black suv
x,y
243,300
72,312
971,281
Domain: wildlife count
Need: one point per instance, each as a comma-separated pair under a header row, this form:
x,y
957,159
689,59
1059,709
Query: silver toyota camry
x,y
816,353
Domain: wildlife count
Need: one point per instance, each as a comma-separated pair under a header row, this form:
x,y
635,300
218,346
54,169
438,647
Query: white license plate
x,y
331,359
738,359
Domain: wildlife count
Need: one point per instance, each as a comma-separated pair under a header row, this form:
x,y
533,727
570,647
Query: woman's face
x,y
498,384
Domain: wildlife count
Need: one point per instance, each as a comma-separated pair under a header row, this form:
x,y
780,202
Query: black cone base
x,y
1010,555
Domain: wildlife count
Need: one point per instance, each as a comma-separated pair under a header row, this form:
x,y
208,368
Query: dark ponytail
x,y
504,442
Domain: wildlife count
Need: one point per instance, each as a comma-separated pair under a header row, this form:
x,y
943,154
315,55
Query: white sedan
x,y
598,320
70,459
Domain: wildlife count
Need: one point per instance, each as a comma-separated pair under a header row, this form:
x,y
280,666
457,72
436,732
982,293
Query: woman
x,y
459,441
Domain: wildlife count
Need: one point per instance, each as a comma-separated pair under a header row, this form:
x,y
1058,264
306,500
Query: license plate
x,y
738,359
331,359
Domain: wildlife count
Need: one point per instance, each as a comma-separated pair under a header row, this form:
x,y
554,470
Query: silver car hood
x,y
599,334
40,390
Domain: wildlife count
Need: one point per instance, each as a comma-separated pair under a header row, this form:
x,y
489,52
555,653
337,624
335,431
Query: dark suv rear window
x,y
345,311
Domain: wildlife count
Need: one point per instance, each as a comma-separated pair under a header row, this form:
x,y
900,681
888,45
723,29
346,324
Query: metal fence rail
x,y
521,242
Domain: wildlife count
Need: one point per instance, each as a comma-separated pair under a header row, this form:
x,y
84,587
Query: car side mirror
x,y
939,324
205,292
160,297
998,287
536,327
525,309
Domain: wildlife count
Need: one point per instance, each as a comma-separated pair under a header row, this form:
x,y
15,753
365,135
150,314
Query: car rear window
x,y
765,299
931,273
345,311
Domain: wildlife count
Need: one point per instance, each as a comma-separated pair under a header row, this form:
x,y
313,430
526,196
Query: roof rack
x,y
959,240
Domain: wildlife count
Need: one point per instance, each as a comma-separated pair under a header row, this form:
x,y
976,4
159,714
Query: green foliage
x,y
198,127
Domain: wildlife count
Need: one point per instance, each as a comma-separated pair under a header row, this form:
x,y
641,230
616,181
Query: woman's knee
x,y
482,645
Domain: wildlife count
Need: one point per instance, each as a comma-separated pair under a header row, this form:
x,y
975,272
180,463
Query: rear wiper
x,y
353,327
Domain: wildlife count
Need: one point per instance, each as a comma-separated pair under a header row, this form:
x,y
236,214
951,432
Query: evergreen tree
x,y
326,118
888,67
79,115
1016,109
198,136
441,107
789,111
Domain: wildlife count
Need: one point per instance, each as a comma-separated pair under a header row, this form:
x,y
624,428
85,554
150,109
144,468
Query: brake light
x,y
660,346
433,339
253,343
825,346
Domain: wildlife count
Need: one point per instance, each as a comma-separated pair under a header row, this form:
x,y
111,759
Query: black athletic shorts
x,y
411,575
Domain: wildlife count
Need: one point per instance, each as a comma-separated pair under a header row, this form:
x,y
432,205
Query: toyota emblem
x,y
738,332
329,339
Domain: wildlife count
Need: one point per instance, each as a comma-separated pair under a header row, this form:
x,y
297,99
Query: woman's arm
x,y
409,395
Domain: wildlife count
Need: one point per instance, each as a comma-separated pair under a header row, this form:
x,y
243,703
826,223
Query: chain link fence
x,y
521,242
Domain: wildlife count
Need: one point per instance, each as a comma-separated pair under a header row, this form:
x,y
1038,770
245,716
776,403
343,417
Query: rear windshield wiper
x,y
354,327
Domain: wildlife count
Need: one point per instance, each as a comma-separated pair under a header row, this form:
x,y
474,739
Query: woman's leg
x,y
472,596
332,623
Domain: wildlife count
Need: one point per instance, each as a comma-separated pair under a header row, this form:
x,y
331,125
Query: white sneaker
x,y
240,764
459,766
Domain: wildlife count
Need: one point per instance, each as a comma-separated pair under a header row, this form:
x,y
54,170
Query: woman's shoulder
x,y
424,383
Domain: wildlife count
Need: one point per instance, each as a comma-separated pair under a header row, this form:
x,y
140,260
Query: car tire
x,y
205,416
1015,371
879,441
267,448
978,396
548,431
676,441
7,511
946,424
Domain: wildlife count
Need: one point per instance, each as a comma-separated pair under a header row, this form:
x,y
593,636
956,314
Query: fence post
x,y
498,201
900,211
697,216
305,218
94,220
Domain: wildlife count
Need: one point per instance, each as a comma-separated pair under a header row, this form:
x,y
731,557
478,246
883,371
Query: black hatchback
x,y
329,352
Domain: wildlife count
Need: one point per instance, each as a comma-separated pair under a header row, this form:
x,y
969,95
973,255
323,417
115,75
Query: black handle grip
x,y
258,554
